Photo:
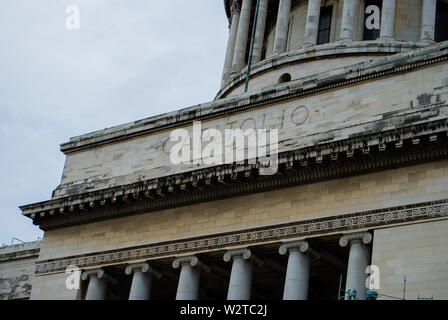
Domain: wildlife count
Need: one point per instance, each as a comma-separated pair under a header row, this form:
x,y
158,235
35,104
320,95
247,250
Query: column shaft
x,y
388,19
231,44
240,285
242,37
428,20
97,289
281,29
188,287
297,276
141,286
312,22
348,20
259,33
356,272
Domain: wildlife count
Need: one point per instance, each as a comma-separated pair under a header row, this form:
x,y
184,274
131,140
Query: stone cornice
x,y
414,143
20,251
405,61
277,233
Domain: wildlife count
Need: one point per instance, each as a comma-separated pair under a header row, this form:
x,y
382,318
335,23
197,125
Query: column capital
x,y
144,268
244,253
193,261
298,245
365,237
97,273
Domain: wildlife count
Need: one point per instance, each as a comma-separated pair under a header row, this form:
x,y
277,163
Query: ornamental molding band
x,y
303,229
408,139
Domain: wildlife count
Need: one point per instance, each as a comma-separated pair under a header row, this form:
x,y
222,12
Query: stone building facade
x,y
17,270
362,179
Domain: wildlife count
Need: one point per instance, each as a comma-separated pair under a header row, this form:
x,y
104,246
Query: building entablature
x,y
273,234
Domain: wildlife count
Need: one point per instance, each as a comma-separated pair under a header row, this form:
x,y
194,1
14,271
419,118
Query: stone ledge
x,y
20,251
334,49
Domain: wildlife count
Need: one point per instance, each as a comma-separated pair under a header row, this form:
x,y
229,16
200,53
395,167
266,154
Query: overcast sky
x,y
131,59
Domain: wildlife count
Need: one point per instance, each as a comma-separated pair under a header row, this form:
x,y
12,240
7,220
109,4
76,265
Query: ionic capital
x,y
142,267
365,237
299,245
244,253
193,261
97,273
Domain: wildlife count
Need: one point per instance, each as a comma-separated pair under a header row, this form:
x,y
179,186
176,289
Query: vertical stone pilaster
x,y
348,20
227,70
388,19
358,261
142,280
312,22
98,281
298,270
188,286
428,20
259,33
281,29
242,37
240,285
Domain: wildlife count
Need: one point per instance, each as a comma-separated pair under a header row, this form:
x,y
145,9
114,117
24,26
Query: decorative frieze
x,y
308,228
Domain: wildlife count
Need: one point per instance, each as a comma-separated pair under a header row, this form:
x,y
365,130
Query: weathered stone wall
x,y
419,252
17,270
52,287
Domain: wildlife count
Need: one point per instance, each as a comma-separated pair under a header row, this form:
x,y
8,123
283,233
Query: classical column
x,y
242,37
188,286
312,22
281,29
428,20
358,261
298,270
348,20
259,33
388,19
141,280
235,10
240,285
97,289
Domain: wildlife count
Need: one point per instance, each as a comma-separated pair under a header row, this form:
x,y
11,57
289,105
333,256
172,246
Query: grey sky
x,y
131,59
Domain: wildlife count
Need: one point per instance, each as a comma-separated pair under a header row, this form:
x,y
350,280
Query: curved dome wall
x,y
300,38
